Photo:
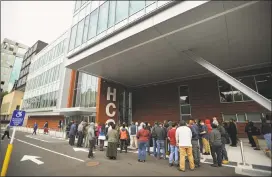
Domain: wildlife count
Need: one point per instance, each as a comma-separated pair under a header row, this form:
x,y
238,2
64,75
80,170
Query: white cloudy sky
x,y
29,21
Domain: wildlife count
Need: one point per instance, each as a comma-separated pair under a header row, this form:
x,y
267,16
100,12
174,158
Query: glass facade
x,y
95,17
260,83
15,72
85,90
185,106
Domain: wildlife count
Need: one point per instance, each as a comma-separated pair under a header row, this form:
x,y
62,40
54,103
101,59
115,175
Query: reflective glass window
x,y
135,6
148,2
248,81
112,8
264,83
93,24
121,10
94,5
225,91
86,27
79,34
103,17
72,37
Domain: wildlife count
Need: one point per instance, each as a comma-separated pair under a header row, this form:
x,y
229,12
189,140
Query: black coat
x,y
232,129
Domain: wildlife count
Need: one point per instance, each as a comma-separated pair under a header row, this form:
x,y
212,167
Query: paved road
x,y
61,159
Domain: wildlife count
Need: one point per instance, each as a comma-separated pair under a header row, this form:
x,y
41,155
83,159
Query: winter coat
x,y
91,131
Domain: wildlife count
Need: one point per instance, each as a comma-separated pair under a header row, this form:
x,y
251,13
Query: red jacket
x,y
143,135
208,124
172,136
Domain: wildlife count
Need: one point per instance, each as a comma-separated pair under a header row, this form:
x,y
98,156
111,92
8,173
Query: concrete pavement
x,y
61,159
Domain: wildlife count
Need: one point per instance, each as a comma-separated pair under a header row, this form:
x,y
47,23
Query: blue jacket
x,y
35,126
73,130
195,132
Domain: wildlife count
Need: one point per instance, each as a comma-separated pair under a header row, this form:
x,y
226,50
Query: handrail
x,y
242,153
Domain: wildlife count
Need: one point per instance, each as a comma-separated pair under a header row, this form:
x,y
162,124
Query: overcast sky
x,y
29,21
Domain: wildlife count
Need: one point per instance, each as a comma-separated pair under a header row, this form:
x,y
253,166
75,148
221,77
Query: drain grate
x,y
92,164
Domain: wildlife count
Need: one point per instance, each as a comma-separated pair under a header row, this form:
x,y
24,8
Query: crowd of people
x,y
183,141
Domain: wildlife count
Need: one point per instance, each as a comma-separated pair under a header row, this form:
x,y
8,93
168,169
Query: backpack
x,y
123,135
153,133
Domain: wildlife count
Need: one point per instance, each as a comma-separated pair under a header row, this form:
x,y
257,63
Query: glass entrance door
x,y
125,108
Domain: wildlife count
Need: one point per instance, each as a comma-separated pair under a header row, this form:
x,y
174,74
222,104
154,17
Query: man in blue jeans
x,y
154,139
161,137
171,134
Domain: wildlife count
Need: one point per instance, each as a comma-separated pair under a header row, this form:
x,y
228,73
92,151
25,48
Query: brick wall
x,y
53,121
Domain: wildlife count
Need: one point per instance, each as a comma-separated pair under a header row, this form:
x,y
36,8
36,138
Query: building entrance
x,y
125,107
79,118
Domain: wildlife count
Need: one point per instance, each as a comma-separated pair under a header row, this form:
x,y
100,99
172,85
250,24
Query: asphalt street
x,y
54,157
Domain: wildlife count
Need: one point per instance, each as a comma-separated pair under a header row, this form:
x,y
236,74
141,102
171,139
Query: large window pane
x,y
121,10
248,81
94,5
86,27
111,13
225,91
185,109
228,117
241,117
79,34
184,95
264,83
254,117
135,6
148,2
77,5
93,24
237,94
72,37
103,17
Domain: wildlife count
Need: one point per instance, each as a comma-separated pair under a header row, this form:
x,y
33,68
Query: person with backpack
x,y
124,137
224,141
154,139
195,146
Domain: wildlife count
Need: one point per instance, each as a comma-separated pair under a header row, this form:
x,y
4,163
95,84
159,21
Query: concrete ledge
x,y
249,170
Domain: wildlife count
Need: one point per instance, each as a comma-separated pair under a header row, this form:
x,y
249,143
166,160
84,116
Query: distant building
x,y
12,54
36,48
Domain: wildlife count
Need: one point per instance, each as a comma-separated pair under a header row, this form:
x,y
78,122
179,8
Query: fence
x,y
51,132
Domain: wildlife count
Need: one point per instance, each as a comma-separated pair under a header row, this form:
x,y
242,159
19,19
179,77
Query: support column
x,y
266,103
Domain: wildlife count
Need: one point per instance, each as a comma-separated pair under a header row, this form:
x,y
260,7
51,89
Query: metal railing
x,y
242,153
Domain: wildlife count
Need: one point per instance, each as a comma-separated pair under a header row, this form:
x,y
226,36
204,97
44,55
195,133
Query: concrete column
x,y
266,103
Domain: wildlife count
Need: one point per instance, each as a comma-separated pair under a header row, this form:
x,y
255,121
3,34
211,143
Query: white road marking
x,y
29,136
81,149
32,158
50,150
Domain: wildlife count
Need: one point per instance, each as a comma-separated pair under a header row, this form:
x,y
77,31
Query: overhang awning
x,y
229,34
76,111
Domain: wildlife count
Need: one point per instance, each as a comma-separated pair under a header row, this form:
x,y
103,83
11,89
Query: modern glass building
x,y
173,60
11,61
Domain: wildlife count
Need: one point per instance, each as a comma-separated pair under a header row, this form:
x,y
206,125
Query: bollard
x,y
242,153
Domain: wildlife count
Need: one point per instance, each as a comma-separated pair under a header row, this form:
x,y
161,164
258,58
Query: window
x,y
135,6
148,2
228,117
94,5
77,5
185,107
225,91
93,24
103,17
112,8
264,83
248,81
79,34
85,31
254,117
121,10
241,117
72,38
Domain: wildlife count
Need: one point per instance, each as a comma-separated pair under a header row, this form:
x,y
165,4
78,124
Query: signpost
x,y
16,120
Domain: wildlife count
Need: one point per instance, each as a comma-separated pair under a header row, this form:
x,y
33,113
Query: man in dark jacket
x,y
160,132
246,130
72,134
254,132
154,139
224,141
233,133
216,146
266,132
195,139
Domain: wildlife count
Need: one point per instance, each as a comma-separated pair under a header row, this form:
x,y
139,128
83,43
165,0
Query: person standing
x,y
200,127
148,143
80,134
195,139
102,136
205,134
113,137
143,136
6,133
266,132
223,133
45,127
161,136
226,127
35,128
255,132
133,131
154,139
72,134
184,141
171,134
233,133
86,135
92,139
246,131
124,136
216,146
